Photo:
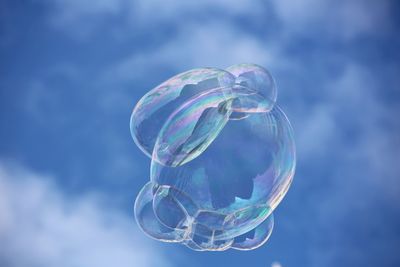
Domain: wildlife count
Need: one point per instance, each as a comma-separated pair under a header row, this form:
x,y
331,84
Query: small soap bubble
x,y
222,158
258,80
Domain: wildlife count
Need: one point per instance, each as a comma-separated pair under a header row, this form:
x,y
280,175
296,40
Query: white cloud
x,y
344,133
41,226
350,118
176,10
72,10
81,18
206,45
338,19
343,19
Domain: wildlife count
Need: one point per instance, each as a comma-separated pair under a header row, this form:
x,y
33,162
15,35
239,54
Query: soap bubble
x,y
154,107
222,158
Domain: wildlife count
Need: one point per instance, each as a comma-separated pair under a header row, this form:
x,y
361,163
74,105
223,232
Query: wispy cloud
x,y
210,44
344,145
80,19
344,19
41,226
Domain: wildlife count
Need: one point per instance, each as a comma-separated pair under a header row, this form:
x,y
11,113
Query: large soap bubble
x,y
222,158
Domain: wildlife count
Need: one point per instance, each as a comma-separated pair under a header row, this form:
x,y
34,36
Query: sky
x,y
72,71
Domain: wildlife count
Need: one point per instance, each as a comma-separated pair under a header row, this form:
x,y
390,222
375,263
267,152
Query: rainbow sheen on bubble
x,y
222,158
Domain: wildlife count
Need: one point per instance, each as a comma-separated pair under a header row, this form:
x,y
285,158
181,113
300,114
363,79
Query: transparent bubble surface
x,y
222,158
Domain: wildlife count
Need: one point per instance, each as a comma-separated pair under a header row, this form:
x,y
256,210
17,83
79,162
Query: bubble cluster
x,y
222,158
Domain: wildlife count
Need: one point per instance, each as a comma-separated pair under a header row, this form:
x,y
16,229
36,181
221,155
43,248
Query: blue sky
x,y
72,71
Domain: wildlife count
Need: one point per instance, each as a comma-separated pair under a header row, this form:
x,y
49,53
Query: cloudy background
x,y
71,71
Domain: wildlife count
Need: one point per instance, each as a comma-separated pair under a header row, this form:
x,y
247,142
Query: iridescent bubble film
x,y
222,158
